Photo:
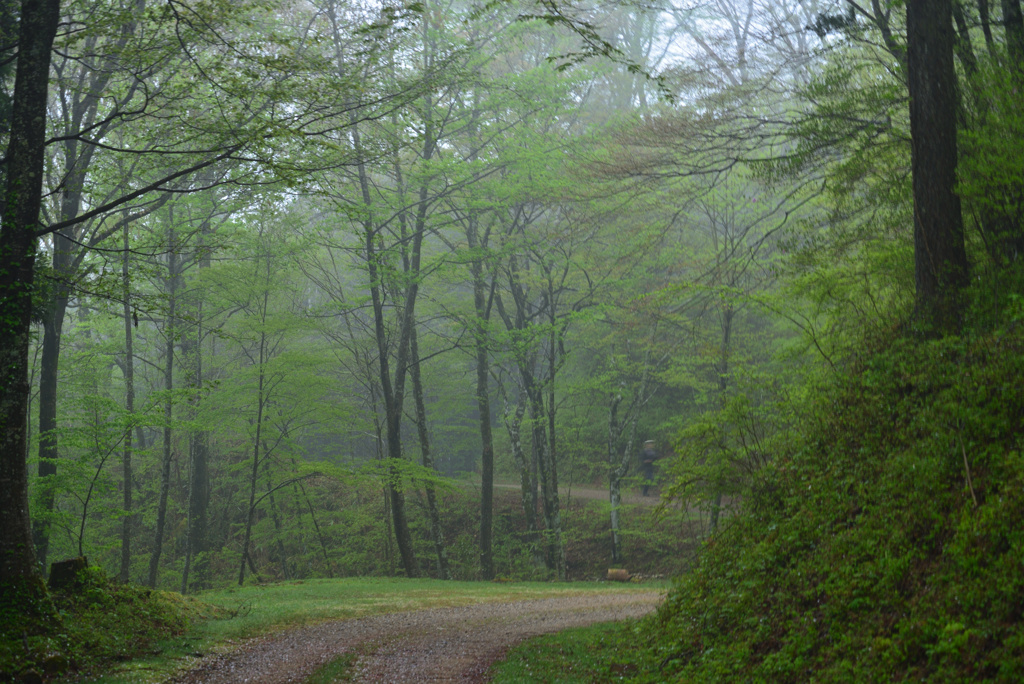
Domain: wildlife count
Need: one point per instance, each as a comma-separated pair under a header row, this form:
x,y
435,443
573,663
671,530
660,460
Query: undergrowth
x,y
887,545
101,622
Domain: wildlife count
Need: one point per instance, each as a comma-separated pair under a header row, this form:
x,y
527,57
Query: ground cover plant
x,y
887,545
599,653
101,622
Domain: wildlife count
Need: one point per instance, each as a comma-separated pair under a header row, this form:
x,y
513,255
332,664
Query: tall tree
x,y
940,257
21,590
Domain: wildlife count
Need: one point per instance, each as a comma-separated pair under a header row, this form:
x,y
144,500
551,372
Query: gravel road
x,y
438,645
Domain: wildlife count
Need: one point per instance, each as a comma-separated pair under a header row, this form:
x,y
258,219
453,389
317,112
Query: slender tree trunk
x,y
552,451
427,459
483,403
319,533
548,479
616,472
723,385
129,404
255,472
275,517
165,464
984,18
940,257
67,256
48,378
528,488
619,463
391,390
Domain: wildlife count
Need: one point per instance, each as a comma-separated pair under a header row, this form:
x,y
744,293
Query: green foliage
x,y
861,555
100,622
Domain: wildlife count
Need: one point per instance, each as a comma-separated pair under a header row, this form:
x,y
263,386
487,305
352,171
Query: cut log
x,y
618,575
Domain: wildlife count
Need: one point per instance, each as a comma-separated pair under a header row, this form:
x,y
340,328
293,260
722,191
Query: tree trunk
x,y
129,407
528,488
483,403
436,531
275,517
197,544
618,468
21,589
548,480
723,385
1013,25
255,472
165,464
48,372
940,257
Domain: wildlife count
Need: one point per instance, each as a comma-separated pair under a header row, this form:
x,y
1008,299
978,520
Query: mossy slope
x,y
100,621
862,555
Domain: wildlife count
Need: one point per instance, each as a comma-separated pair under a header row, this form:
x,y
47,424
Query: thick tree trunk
x,y
21,589
940,257
198,441
1013,24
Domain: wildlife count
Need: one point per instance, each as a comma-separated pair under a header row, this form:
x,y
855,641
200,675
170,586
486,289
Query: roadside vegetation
x,y
887,544
114,632
221,620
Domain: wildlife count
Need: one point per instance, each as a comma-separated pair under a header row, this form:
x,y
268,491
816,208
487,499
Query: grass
x,y
595,654
246,612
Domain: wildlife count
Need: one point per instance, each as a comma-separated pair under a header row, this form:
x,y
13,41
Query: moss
x,y
863,555
92,623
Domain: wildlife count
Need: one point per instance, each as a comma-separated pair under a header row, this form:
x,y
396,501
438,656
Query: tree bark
x,y
483,403
1013,25
436,531
21,589
940,257
616,471
198,439
255,472
165,463
528,488
129,407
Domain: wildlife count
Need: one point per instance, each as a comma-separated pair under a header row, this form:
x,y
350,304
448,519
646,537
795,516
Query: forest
x,y
325,288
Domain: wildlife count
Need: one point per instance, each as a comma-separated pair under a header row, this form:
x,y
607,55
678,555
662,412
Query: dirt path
x,y
439,645
629,495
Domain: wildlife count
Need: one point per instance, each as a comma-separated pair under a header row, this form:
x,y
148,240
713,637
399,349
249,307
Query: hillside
x,y
887,546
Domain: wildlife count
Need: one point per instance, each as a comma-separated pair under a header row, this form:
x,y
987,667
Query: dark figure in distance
x,y
647,458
